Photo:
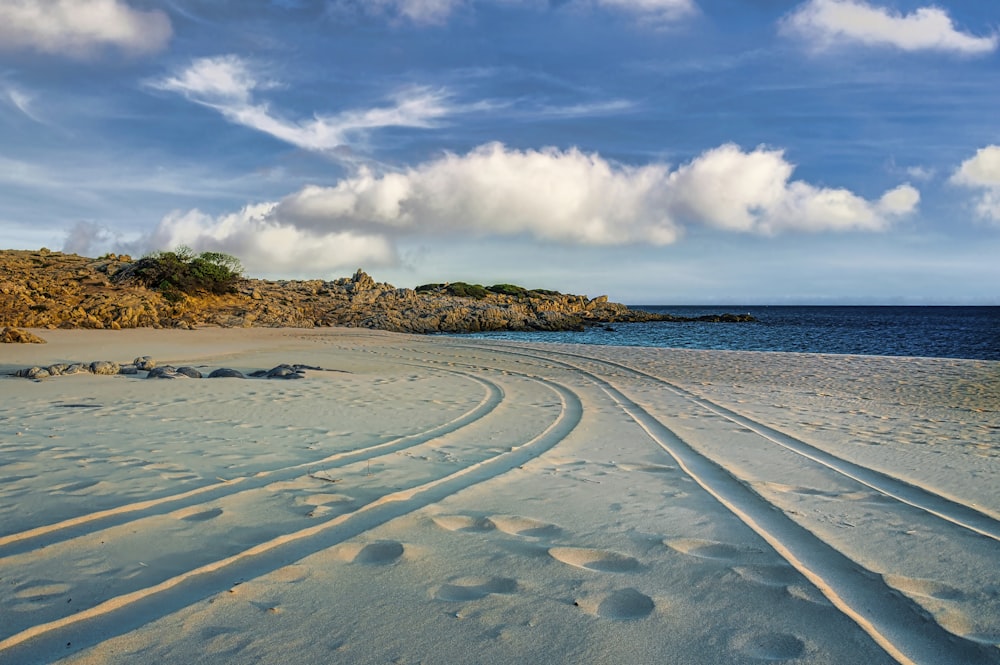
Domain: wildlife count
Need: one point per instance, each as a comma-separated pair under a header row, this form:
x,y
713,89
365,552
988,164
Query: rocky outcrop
x,y
16,336
52,290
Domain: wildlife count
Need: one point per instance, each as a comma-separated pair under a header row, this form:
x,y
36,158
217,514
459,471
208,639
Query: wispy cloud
x,y
653,11
80,28
559,196
21,101
824,24
228,85
437,12
982,172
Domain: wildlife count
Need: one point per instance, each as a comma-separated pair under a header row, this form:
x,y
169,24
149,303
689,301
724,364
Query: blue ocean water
x,y
934,332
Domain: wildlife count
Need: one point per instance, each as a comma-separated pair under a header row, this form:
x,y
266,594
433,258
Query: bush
x,y
508,289
180,272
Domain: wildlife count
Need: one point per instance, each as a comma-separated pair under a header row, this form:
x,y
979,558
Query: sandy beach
x,y
452,500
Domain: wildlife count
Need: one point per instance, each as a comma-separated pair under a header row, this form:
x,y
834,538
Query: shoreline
x,y
448,499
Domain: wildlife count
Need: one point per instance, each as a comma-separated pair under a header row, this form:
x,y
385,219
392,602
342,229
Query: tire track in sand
x,y
128,611
32,538
896,623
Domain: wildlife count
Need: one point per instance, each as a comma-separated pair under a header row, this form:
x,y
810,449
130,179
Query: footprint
x,y
76,487
600,560
769,646
464,523
621,605
926,588
202,516
41,591
708,549
648,468
525,526
474,588
379,554
776,576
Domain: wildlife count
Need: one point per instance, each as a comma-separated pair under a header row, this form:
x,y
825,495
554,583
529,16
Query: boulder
x,y
105,367
226,373
18,336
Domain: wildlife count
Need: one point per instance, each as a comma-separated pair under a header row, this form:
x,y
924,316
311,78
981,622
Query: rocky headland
x,y
45,289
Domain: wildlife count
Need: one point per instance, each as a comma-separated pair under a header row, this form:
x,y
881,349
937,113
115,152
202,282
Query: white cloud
x,y
827,23
559,196
437,12
420,11
265,245
227,84
79,28
652,10
982,172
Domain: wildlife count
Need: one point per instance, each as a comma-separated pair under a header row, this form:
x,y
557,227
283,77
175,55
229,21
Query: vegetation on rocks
x,y
46,289
180,272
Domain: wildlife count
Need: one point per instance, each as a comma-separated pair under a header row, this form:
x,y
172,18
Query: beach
x,y
450,500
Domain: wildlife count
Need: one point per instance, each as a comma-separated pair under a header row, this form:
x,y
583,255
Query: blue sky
x,y
658,151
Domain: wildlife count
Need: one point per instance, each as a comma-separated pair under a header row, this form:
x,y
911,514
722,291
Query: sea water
x,y
935,332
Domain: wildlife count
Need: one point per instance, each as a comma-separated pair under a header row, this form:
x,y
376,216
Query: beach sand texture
x,y
452,500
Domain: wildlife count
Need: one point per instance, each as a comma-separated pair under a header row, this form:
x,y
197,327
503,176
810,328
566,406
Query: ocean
x,y
932,332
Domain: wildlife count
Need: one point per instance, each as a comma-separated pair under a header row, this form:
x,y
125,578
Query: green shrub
x,y
180,272
508,289
464,290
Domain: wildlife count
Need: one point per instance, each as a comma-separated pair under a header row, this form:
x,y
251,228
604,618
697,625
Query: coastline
x,y
443,499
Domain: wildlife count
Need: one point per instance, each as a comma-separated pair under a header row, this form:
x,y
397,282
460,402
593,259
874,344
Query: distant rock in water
x,y
53,290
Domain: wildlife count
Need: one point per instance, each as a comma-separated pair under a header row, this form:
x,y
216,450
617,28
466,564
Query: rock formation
x,y
43,289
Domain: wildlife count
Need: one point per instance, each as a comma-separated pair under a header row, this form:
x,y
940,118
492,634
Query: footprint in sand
x,y
41,591
769,646
379,554
474,588
774,576
648,468
464,523
926,588
620,605
708,549
193,515
525,526
603,561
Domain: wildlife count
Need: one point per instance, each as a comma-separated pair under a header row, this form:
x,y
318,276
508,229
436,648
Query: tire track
x,y
896,623
128,611
31,538
921,498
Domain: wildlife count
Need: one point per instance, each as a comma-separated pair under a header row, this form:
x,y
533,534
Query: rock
x,y
163,372
226,373
144,363
189,372
17,336
284,372
104,367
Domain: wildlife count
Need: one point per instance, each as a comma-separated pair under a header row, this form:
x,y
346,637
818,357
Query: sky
x,y
656,151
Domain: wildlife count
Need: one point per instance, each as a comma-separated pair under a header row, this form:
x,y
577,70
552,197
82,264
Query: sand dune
x,y
448,500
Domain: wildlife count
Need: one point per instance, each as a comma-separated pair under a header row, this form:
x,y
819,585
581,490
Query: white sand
x,y
445,500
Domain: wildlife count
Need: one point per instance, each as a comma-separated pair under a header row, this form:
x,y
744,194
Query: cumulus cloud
x,y
228,85
79,28
828,23
982,172
560,196
267,245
